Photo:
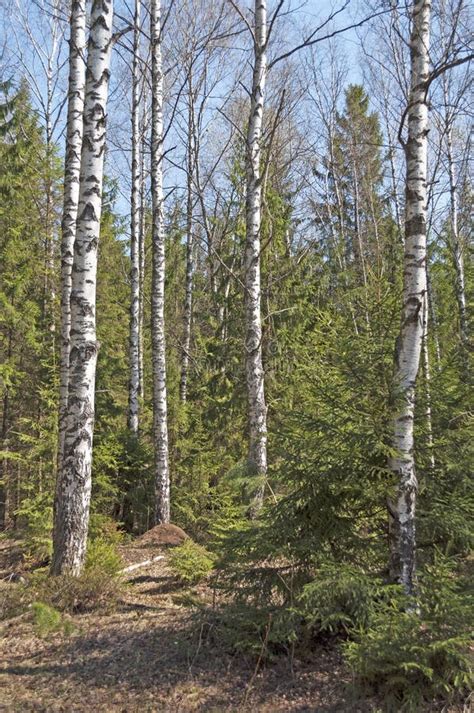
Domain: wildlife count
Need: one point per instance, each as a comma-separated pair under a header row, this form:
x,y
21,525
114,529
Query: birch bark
x,y
257,410
74,485
427,375
143,228
188,299
434,318
134,337
160,408
72,168
141,252
455,242
410,338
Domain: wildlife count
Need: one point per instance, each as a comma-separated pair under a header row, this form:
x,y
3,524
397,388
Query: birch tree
x,y
188,297
257,409
455,240
72,168
144,143
427,380
135,282
410,338
74,483
160,407
260,31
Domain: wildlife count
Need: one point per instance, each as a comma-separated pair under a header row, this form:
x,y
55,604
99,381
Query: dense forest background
x,y
316,558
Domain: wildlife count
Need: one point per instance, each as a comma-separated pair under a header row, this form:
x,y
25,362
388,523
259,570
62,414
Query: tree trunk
x,y
4,470
141,248
160,417
134,338
455,243
72,169
427,375
434,317
257,410
410,338
188,299
74,484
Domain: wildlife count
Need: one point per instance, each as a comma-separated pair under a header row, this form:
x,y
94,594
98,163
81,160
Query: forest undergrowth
x,y
152,624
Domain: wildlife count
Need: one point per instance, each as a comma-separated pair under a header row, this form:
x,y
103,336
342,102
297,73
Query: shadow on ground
x,y
166,661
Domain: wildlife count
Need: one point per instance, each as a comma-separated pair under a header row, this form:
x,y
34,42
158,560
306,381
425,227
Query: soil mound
x,y
163,536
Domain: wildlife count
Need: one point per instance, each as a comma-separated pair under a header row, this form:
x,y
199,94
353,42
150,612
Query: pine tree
x,y
357,166
26,371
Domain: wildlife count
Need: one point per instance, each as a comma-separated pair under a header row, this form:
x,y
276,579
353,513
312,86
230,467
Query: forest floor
x,y
151,653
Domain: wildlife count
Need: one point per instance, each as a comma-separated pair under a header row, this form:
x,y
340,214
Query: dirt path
x,y
149,654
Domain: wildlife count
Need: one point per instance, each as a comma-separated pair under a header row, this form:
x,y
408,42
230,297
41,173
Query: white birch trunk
x,y
409,341
72,168
188,298
434,318
257,410
427,375
74,486
160,416
141,251
142,236
134,337
455,243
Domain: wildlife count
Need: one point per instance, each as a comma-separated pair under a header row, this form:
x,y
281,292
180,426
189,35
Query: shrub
x,y
340,599
191,562
102,556
258,632
336,601
104,528
411,656
100,585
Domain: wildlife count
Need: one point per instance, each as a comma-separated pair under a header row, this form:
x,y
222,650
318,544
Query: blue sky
x,y
306,14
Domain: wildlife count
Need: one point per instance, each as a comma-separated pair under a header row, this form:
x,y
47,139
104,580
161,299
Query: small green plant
x,y
191,562
46,619
102,556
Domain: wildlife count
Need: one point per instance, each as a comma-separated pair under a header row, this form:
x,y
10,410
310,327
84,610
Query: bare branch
x,y
309,41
